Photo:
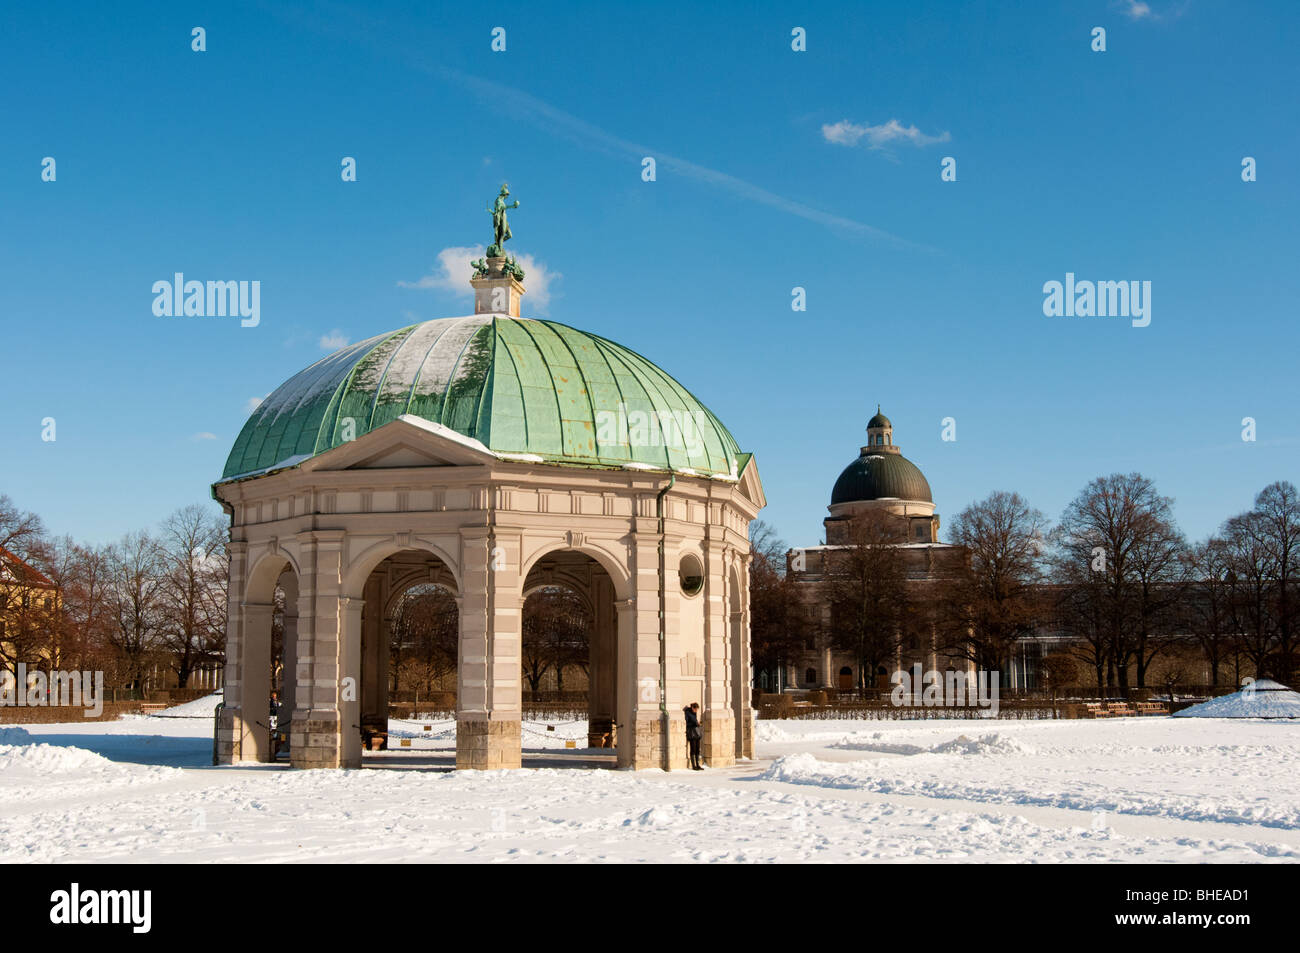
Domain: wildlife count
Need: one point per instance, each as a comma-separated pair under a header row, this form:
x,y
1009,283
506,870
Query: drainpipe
x,y
663,600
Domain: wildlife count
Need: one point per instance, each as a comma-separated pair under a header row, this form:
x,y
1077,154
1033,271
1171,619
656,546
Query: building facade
x,y
882,485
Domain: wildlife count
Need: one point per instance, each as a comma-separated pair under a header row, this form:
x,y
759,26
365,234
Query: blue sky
x,y
924,296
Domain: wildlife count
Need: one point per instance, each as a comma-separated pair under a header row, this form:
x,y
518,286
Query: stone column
x,y
630,692
289,647
718,747
602,665
657,732
677,752
253,721
374,655
350,681
488,701
228,727
316,734
743,666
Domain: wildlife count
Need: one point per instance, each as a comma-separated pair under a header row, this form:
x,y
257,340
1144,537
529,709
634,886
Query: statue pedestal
x,y
498,292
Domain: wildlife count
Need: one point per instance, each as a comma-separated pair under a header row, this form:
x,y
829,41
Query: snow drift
x,y
1261,699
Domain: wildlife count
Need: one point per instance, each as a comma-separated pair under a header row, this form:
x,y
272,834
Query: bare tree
x,y
871,609
423,635
779,623
1250,583
557,634
1277,510
136,604
1159,560
1116,546
21,533
194,571
993,597
1206,608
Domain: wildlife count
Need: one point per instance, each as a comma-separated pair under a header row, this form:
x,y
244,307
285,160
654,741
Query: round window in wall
x,y
690,575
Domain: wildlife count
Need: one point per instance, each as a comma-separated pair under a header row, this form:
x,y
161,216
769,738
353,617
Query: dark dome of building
x,y
880,420
880,476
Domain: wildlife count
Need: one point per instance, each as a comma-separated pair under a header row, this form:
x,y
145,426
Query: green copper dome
x,y
517,385
880,476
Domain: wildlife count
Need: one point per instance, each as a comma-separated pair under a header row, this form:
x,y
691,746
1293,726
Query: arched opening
x,y
569,661
557,630
284,663
400,640
846,679
423,623
262,698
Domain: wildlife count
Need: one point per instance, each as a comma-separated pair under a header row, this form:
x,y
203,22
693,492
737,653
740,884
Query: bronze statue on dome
x,y
500,224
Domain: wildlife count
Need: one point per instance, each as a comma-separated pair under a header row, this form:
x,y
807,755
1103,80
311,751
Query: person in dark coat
x,y
693,735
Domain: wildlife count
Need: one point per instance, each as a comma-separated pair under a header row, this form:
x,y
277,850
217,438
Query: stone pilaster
x,y
487,745
227,740
350,681
718,746
742,666
228,749
253,714
653,724
488,702
289,647
314,740
317,732
374,655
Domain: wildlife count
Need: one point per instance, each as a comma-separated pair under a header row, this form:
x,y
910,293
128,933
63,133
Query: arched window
x,y
810,677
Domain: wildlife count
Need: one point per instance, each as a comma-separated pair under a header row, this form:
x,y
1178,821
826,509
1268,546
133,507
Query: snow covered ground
x,y
1137,789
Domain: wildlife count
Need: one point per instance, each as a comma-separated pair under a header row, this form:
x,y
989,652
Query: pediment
x,y
405,443
751,487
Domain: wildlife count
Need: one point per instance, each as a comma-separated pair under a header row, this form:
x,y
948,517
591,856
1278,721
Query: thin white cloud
x,y
845,133
253,403
204,435
526,107
452,273
1141,10
334,340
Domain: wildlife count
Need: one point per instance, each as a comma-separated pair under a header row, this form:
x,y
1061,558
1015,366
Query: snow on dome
x,y
539,390
1261,699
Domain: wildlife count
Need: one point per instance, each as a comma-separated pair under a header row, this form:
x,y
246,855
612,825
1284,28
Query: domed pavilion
x,y
491,455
